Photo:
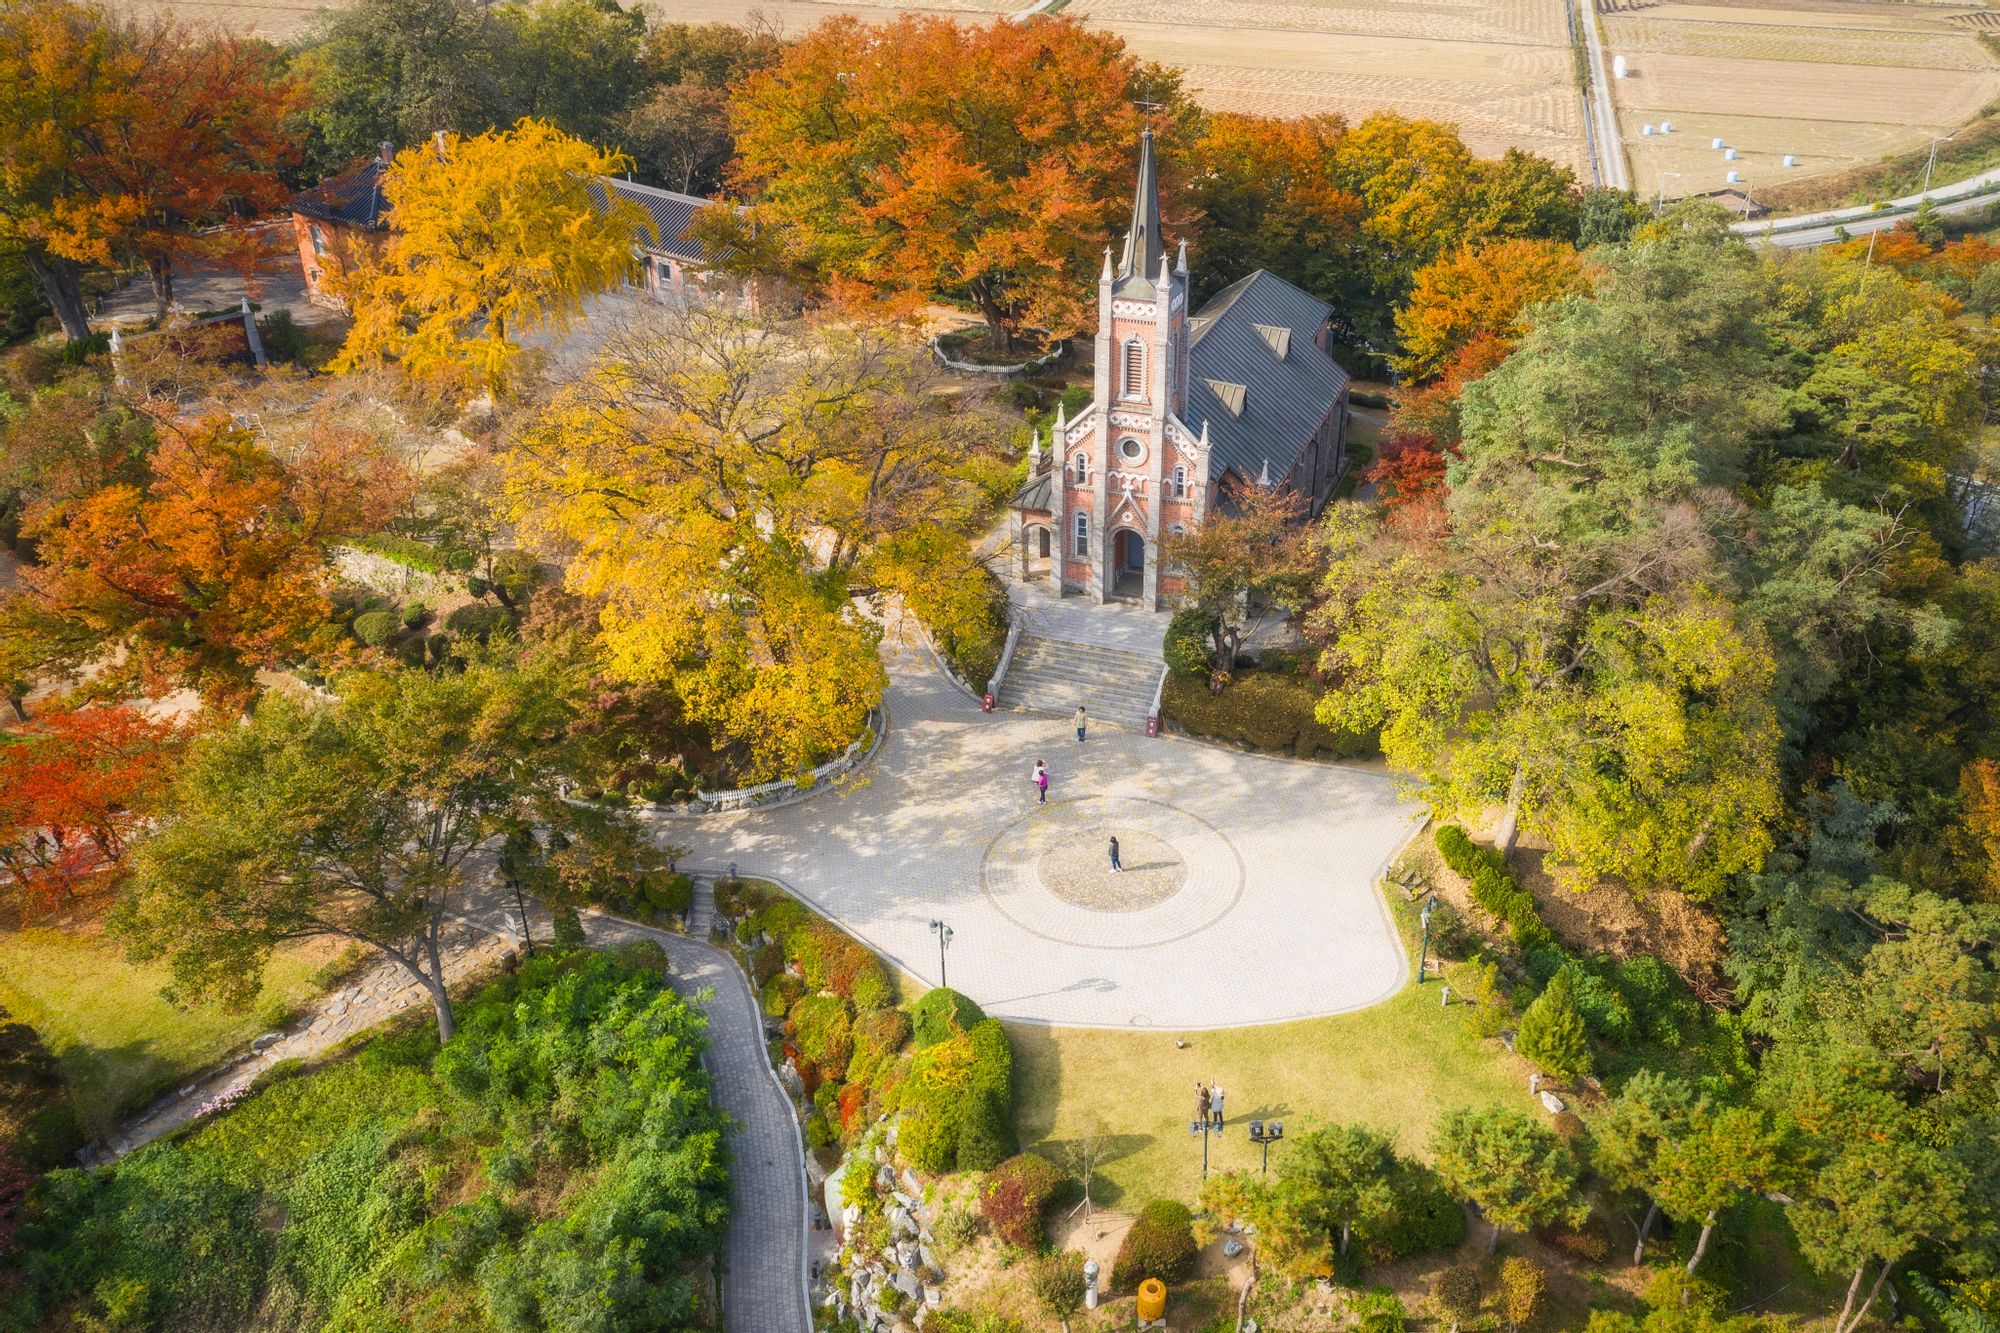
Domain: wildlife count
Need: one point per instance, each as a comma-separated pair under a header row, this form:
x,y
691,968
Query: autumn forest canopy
x,y
1668,571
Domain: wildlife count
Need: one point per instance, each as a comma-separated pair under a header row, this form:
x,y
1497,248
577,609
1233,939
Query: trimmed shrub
x,y
1494,889
375,628
1462,854
825,1032
641,956
766,963
405,551
1160,1244
1552,1033
879,1035
986,1134
960,1095
940,1014
414,614
835,961
1189,645
1265,710
781,992
669,893
1522,1291
479,622
779,919
1015,1196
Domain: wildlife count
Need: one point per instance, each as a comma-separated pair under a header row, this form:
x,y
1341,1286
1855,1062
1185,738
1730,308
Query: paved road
x,y
1798,238
763,1287
1612,171
1250,894
1984,186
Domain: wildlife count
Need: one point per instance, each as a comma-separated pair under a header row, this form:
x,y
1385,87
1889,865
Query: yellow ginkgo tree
x,y
491,236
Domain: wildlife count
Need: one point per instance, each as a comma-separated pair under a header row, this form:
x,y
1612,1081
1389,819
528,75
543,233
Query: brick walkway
x,y
1277,916
763,1287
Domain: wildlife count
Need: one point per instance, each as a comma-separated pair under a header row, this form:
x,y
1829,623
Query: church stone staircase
x,y
1055,675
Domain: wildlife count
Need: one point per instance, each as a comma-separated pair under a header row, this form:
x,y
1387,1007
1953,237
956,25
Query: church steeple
x,y
1143,247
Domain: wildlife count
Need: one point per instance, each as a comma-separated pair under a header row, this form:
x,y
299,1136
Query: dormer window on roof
x,y
1277,335
1230,394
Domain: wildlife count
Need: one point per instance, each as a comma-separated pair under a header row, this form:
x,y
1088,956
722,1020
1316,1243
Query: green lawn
x,y
120,1043
1397,1066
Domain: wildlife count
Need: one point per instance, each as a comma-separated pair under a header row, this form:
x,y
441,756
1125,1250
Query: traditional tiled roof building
x,y
343,216
1185,410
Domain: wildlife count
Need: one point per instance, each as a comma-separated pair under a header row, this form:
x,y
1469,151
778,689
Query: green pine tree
x,y
1552,1032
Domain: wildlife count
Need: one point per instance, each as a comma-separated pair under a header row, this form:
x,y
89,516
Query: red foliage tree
x,y
72,789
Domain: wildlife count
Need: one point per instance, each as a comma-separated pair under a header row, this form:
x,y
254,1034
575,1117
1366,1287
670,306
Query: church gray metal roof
x,y
1144,247
1262,395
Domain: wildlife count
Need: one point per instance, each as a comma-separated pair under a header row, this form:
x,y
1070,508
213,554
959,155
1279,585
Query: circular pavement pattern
x,y
1049,872
1076,867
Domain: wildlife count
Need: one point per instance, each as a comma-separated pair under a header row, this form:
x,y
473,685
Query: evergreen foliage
x,y
1552,1032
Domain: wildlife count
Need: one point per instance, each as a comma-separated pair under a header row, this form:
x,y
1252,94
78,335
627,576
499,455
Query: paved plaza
x,y
1248,894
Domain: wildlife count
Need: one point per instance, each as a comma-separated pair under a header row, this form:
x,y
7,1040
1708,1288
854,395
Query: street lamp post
x,y
1930,165
1265,1133
1661,206
943,932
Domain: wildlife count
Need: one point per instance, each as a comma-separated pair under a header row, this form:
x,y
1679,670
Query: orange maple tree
x,y
134,139
73,787
213,564
923,157
1266,195
1481,289
1978,832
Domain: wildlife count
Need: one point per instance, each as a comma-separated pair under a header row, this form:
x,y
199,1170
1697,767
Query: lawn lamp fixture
x,y
943,932
1264,1133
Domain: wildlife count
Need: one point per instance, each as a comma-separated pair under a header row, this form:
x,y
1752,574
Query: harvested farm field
x,y
1500,69
1833,83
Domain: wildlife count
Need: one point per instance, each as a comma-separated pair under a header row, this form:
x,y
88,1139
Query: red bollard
x,y
986,704
1152,725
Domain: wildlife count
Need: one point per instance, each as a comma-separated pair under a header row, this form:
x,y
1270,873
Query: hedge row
x,y
405,551
1493,888
661,893
1265,710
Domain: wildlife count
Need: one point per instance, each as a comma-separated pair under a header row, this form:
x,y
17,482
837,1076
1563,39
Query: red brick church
x,y
1187,409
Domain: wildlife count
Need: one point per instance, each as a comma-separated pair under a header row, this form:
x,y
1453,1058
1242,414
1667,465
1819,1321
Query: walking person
x,y
1081,720
1215,1105
1041,781
1116,866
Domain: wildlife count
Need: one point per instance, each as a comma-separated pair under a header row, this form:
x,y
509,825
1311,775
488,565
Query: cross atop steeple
x,y
1143,246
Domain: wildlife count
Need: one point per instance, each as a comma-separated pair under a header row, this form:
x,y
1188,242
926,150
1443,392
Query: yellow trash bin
x,y
1152,1298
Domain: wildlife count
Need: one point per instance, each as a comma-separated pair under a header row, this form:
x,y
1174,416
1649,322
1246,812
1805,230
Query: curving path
x,y
1250,894
764,1282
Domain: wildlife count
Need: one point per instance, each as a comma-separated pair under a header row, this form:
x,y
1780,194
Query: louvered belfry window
x,y
1135,370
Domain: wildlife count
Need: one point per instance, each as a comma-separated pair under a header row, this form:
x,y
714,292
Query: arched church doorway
x,y
1128,564
1037,548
